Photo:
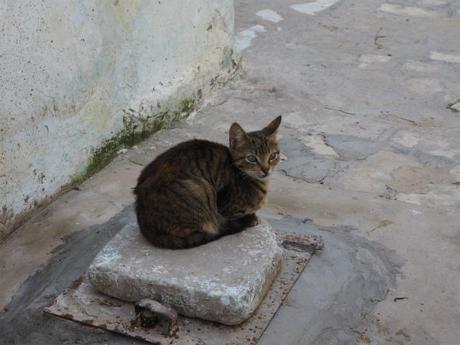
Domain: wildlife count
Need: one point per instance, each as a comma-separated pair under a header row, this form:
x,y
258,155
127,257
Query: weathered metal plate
x,y
83,304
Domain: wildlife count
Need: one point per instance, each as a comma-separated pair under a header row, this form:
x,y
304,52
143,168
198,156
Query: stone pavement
x,y
369,95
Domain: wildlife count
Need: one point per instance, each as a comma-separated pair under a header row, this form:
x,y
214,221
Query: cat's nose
x,y
265,172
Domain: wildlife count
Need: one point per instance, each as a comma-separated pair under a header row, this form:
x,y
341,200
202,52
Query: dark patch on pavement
x,y
25,323
352,148
303,164
342,285
425,158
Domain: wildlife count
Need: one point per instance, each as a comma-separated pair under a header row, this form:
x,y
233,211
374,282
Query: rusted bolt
x,y
149,313
303,243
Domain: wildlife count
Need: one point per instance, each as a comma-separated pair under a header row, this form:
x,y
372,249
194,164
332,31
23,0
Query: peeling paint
x,y
244,38
269,15
314,7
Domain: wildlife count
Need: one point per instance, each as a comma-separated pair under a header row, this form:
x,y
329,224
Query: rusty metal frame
x,y
83,304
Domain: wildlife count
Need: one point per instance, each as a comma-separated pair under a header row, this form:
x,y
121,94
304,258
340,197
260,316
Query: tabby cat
x,y
199,190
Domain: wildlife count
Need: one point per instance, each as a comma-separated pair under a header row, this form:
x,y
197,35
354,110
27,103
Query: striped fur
x,y
199,190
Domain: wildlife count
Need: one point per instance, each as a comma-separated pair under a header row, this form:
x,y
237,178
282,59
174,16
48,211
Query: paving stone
x,y
221,281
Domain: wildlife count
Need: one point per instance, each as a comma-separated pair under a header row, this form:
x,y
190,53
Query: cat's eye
x,y
251,158
274,156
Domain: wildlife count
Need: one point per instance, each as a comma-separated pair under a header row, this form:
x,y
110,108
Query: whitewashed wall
x,y
69,68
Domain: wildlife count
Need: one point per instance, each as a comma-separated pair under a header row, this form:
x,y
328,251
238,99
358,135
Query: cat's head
x,y
255,153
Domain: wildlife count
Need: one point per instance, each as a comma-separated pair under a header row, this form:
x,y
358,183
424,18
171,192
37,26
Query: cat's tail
x,y
237,224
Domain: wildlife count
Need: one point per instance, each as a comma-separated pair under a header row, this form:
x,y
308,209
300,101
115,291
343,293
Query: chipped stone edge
x,y
246,299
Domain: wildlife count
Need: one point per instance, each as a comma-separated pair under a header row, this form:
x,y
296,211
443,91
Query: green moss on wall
x,y
137,126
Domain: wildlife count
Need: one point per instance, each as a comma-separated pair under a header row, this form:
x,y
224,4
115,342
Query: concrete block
x,y
222,281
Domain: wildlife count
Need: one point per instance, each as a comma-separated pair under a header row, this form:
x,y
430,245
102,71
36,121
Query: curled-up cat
x,y
199,190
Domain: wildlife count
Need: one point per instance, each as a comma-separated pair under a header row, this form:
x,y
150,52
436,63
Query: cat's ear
x,y
237,135
272,127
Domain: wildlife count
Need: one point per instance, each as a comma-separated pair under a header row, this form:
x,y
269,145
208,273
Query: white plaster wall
x,y
69,68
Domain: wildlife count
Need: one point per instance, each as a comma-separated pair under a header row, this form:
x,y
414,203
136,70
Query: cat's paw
x,y
249,220
258,221
254,220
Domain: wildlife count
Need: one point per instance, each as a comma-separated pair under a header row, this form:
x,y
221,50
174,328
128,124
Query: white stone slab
x,y
221,281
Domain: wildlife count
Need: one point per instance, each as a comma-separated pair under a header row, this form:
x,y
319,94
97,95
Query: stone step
x,y
222,281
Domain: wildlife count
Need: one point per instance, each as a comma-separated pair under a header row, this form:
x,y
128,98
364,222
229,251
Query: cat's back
x,y
187,158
